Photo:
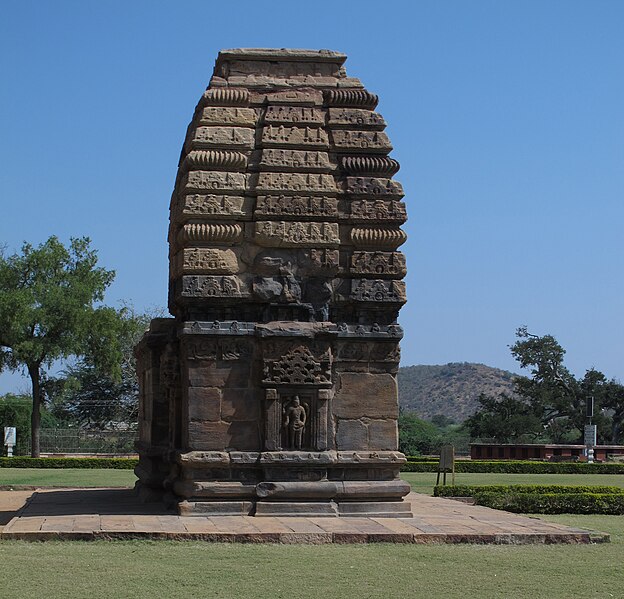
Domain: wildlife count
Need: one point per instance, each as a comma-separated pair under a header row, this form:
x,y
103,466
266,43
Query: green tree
x,y
16,410
417,436
48,313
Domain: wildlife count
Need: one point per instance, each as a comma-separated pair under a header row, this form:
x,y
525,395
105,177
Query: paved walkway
x,y
117,514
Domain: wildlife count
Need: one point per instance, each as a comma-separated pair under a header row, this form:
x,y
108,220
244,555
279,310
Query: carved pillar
x,y
273,421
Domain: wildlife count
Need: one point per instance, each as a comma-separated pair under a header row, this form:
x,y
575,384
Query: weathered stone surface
x,y
361,395
220,115
373,141
298,206
311,137
355,117
296,182
285,289
306,160
222,137
296,234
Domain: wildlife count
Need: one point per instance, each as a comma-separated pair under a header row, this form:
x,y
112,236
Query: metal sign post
x,y
447,463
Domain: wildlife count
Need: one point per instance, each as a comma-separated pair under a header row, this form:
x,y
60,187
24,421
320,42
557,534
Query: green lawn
x,y
194,569
66,477
423,482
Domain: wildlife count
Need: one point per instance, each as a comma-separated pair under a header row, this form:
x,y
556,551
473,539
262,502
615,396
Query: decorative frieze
x,y
207,261
378,210
222,138
377,237
298,367
208,286
378,263
214,181
372,141
368,290
355,117
297,206
214,159
352,98
296,182
294,114
281,159
200,233
276,136
286,97
296,234
225,97
373,186
213,206
382,166
221,115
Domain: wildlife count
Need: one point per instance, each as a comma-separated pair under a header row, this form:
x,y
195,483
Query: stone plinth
x,y
272,390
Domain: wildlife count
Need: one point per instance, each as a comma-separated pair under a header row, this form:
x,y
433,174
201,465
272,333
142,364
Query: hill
x,y
449,389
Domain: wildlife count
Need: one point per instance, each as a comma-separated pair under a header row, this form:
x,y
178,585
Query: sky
x,y
507,119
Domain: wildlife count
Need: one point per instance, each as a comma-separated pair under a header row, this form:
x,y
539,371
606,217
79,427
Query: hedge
x,y
518,467
473,490
554,503
114,463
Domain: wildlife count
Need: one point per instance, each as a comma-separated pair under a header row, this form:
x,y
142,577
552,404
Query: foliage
x,y
16,410
471,490
417,436
48,313
518,467
551,403
553,503
114,463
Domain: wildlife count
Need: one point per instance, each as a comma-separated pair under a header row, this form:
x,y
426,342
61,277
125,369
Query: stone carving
x,y
298,367
214,181
367,290
353,352
201,349
208,260
225,97
222,137
295,159
378,263
211,205
378,210
373,141
296,234
221,115
234,349
273,136
199,233
385,352
207,286
319,261
296,182
355,117
356,98
302,98
377,237
373,186
214,159
294,114
295,418
284,205
381,166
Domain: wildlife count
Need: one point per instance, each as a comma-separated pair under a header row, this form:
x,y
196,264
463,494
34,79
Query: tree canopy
x,y
49,311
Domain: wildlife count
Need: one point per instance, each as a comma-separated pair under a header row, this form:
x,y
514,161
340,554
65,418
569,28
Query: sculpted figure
x,y
294,422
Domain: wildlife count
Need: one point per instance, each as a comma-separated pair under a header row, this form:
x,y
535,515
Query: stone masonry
x,y
272,390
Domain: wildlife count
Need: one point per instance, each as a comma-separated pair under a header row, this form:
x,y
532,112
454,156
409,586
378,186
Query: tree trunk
x,y
35,419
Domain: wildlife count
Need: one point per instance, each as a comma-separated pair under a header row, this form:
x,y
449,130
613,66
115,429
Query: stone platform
x,y
91,514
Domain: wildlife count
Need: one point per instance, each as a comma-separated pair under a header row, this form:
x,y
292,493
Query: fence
x,y
74,440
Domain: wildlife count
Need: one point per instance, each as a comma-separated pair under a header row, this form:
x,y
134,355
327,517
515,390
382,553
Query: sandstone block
x,y
235,374
383,435
366,395
239,405
204,403
351,434
222,137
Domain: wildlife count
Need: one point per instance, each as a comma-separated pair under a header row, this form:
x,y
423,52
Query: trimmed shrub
x,y
473,490
113,463
518,467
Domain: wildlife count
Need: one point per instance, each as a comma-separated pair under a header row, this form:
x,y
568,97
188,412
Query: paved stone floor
x,y
117,514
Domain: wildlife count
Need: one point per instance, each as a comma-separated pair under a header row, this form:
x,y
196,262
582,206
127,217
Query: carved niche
x,y
299,367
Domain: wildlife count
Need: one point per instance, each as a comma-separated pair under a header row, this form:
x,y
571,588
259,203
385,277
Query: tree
x,y
47,313
417,436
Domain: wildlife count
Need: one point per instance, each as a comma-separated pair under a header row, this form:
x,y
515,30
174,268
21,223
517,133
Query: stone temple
x,y
272,390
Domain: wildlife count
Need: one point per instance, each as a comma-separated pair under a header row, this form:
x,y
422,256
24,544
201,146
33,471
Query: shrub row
x,y
24,462
518,467
473,490
554,503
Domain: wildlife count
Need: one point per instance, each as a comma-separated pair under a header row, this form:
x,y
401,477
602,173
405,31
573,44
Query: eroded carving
x,y
293,234
298,367
378,263
294,114
207,286
296,136
221,115
296,182
207,260
373,186
282,159
361,140
214,181
356,117
295,417
378,210
211,205
283,205
219,137
368,290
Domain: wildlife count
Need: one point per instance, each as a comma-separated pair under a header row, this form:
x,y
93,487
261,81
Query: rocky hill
x,y
450,389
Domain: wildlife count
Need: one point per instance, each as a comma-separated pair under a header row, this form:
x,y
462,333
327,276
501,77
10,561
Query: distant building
x,y
535,451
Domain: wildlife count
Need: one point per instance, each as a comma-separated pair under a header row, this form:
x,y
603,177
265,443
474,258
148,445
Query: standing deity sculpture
x,y
295,418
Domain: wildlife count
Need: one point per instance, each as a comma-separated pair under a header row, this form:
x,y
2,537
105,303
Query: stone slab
x,y
90,514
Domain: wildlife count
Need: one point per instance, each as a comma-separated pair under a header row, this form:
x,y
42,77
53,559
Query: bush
x,y
518,467
553,503
113,463
473,490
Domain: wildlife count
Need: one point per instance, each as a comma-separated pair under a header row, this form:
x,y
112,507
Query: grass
x,y
423,482
66,477
192,569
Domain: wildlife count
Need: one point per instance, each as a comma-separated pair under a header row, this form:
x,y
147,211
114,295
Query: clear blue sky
x,y
507,118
